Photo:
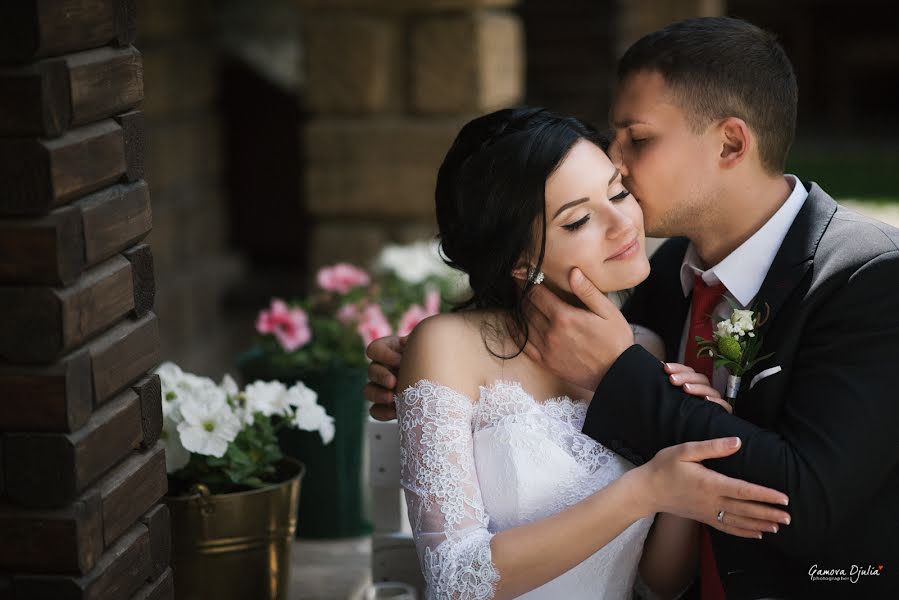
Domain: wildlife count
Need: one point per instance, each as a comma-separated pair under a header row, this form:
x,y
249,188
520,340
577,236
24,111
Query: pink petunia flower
x,y
410,319
341,278
416,314
348,313
432,301
290,326
373,324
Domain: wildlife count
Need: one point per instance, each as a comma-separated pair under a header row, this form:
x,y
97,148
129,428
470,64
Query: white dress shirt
x,y
744,270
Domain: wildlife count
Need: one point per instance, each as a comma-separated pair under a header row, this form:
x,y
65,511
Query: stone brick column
x,y
389,84
82,470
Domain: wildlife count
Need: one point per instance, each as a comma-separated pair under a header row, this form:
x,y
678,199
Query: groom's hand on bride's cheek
x,y
577,345
385,354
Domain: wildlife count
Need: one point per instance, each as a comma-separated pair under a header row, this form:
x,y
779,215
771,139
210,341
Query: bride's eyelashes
x,y
583,220
577,224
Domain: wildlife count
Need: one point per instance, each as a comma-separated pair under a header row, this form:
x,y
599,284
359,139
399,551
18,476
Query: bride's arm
x,y
671,553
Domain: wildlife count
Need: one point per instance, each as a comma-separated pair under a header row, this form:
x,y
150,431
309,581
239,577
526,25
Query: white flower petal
x,y
229,386
327,429
267,397
310,418
176,455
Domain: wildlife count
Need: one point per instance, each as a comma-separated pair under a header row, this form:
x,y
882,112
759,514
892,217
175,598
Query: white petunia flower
x,y
170,402
308,414
169,374
209,424
176,455
229,386
310,418
190,384
243,414
326,430
267,397
415,262
300,396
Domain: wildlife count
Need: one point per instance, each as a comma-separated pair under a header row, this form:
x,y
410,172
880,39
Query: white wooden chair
x,y
393,555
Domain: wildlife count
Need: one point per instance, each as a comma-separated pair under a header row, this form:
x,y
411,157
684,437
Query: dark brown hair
x,y
719,67
490,195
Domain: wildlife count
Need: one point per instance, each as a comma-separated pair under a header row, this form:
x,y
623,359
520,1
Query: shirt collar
x,y
743,271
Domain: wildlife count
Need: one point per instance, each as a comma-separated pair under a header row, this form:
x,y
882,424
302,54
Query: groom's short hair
x,y
720,67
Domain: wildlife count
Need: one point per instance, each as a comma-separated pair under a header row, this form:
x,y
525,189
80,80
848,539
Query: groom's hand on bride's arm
x,y
577,345
385,354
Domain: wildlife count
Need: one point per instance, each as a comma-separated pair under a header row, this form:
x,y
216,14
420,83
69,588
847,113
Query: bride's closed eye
x,y
583,220
577,224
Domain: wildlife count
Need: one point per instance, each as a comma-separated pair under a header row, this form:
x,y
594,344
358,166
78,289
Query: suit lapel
x,y
792,261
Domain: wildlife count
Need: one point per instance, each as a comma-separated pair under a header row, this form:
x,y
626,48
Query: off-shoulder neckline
x,y
498,383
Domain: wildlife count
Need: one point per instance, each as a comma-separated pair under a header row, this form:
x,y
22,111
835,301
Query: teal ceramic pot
x,y
332,504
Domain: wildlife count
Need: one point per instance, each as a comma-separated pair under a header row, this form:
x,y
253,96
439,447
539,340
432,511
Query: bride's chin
x,y
630,281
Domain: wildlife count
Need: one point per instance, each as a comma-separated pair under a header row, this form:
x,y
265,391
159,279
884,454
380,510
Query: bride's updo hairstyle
x,y
491,206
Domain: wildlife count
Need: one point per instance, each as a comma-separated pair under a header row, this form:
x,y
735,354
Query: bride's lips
x,y
626,251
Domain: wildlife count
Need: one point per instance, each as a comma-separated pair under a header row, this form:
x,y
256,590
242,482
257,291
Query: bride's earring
x,y
536,278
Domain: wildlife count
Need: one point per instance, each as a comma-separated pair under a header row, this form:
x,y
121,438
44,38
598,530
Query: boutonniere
x,y
735,346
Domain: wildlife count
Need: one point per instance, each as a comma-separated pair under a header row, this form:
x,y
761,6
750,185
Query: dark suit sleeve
x,y
836,439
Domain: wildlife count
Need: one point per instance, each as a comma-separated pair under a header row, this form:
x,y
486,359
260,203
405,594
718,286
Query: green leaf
x,y
725,362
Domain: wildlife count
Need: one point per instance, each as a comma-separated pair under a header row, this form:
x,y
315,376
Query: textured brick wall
x,y
184,167
388,85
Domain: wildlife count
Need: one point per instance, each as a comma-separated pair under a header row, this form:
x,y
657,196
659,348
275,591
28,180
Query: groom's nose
x,y
615,154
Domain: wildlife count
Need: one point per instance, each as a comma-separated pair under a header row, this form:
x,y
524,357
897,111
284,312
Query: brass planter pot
x,y
236,546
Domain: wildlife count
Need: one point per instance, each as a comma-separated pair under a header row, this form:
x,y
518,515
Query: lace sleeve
x,y
442,492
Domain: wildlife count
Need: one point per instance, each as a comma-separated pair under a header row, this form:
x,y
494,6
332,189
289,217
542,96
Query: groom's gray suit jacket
x,y
825,430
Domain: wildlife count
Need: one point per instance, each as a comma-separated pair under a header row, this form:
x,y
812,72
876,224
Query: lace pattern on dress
x,y
442,492
445,500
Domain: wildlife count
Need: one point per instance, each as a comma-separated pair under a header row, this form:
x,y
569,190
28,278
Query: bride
x,y
506,496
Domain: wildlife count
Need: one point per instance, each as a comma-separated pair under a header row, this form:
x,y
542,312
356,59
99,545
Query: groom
x,y
704,116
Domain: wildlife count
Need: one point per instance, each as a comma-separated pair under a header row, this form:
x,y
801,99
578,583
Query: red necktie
x,y
705,299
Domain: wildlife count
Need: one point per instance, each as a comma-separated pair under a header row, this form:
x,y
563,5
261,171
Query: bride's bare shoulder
x,y
445,332
445,348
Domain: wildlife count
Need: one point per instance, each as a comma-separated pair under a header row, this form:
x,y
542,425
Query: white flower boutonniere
x,y
735,346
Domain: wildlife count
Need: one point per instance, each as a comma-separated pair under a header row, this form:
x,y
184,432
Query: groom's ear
x,y
736,140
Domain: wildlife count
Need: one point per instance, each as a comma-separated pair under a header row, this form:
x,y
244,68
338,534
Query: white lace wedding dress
x,y
471,469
